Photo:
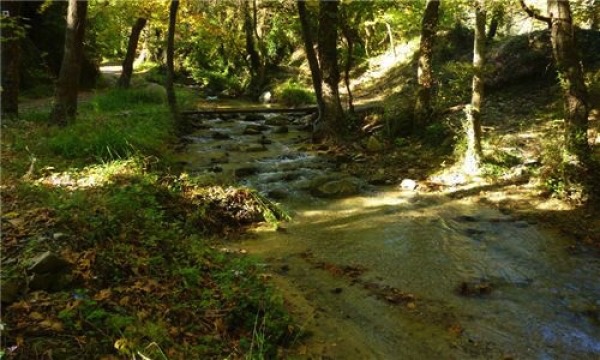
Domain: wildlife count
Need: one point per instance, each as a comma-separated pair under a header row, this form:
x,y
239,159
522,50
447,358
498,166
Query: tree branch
x,y
535,15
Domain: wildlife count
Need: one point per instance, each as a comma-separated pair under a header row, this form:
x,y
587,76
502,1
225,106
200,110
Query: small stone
x,y
374,144
256,148
283,129
47,262
408,184
59,236
254,117
11,289
220,136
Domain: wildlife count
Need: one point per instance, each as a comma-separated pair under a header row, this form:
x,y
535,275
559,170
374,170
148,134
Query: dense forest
x,y
300,179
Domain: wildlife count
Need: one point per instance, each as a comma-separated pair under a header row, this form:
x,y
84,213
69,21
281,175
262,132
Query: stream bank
x,y
376,271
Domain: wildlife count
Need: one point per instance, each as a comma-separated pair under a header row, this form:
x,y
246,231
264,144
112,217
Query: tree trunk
x,y
11,54
256,66
472,160
348,67
311,55
172,101
333,114
497,17
423,105
127,70
568,65
67,86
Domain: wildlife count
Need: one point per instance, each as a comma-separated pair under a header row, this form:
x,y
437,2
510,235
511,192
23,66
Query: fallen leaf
x,y
36,316
103,295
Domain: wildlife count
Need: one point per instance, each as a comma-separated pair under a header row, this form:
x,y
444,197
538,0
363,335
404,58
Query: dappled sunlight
x,y
91,176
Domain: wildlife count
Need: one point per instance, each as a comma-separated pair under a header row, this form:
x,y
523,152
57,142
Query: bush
x,y
293,94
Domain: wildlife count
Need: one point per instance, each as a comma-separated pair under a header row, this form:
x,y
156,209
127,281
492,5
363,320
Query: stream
x,y
386,273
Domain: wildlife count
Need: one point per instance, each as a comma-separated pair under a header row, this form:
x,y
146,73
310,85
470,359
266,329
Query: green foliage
x,y
398,115
139,126
454,83
291,93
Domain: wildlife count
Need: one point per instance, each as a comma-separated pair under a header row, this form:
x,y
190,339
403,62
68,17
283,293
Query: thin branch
x,y
535,15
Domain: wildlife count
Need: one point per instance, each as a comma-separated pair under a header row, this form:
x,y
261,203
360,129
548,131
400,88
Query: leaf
x,y
103,295
36,316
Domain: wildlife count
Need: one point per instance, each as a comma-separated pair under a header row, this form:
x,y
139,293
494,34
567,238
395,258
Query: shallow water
x,y
527,297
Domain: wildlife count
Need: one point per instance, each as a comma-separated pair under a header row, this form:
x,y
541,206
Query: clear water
x,y
543,302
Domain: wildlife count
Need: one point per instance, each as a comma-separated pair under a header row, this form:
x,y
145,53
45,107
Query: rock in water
x,y
408,184
265,97
337,188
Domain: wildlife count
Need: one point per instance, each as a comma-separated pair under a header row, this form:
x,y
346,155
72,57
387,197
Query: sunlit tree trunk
x,y
11,54
127,70
423,105
171,99
472,160
570,74
67,86
333,114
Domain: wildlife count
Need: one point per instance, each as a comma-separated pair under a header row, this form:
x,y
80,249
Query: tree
x,y
127,70
473,155
332,113
67,86
257,69
570,73
11,53
171,99
311,55
423,105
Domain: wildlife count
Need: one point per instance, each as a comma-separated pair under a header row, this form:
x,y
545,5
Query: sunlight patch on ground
x,y
89,177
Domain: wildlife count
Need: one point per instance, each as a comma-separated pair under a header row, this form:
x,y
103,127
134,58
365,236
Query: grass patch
x,y
291,93
146,280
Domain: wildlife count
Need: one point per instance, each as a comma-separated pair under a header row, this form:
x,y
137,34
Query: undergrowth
x,y
149,277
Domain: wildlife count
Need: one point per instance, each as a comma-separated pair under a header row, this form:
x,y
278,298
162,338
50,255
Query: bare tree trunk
x,y
566,56
171,99
497,18
423,105
333,114
311,55
256,66
127,70
473,156
11,54
67,86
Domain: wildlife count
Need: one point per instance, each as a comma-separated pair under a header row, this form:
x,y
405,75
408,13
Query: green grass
x,y
146,277
291,93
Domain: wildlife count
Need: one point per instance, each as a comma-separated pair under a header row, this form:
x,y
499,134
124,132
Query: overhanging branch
x,y
535,15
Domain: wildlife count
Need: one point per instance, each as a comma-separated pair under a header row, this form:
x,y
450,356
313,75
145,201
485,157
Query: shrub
x,y
293,94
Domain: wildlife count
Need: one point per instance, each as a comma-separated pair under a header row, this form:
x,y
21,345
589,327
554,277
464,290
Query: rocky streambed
x,y
372,269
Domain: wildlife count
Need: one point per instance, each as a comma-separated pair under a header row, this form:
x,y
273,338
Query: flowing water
x,y
391,274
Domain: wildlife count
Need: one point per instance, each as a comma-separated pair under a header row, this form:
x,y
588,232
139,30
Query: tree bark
x,y
67,86
11,54
473,156
423,105
127,68
311,55
570,73
171,99
256,65
333,114
497,17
